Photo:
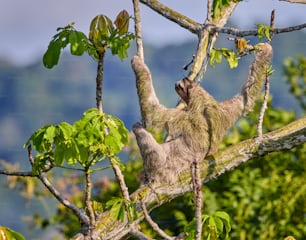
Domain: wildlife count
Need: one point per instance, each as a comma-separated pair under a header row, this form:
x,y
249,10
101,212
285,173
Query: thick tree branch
x,y
288,137
138,34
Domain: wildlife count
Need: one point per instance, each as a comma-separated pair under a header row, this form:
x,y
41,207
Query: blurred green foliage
x,y
295,72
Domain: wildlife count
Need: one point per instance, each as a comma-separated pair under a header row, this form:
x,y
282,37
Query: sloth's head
x,y
183,89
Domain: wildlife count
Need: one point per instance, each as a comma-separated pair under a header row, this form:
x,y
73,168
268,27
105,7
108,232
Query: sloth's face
x,y
183,88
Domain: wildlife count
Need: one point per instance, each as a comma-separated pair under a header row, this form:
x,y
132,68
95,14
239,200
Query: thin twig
x,y
43,178
272,23
244,33
154,224
18,174
197,188
138,29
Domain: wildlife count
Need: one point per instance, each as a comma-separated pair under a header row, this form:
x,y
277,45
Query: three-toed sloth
x,y
197,130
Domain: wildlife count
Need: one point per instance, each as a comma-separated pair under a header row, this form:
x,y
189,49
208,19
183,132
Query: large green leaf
x,y
51,57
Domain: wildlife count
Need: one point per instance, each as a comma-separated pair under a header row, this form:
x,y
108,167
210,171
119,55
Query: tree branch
x,y
17,174
244,33
294,1
287,137
138,29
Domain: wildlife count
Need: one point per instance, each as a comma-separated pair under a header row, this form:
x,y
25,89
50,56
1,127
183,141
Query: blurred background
x,y
32,96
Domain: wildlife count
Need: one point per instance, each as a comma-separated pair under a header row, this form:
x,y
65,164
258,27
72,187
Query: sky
x,y
27,26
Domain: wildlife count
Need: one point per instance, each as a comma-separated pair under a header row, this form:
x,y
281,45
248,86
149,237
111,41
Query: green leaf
x,y
40,162
59,154
72,153
39,141
117,208
117,136
218,225
230,56
223,215
131,210
51,57
65,130
78,43
9,234
50,134
204,218
264,31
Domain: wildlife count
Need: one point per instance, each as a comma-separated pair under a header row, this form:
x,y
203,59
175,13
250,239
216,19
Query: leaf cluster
x,y
215,226
103,34
264,31
120,207
91,139
230,56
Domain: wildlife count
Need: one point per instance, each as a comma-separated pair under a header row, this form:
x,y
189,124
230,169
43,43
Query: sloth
x,y
197,130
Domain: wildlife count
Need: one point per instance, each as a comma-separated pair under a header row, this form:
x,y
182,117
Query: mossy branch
x,y
287,137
